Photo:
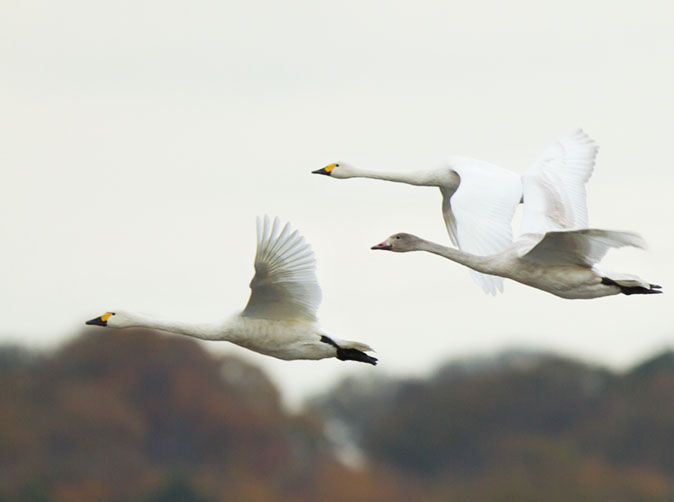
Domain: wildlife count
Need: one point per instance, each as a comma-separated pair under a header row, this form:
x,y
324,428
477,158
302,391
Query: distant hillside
x,y
139,416
519,426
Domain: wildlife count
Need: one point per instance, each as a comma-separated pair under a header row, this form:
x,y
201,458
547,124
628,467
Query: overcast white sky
x,y
140,139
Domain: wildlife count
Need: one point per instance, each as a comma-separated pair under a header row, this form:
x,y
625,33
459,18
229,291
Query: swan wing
x,y
554,186
478,214
577,247
284,286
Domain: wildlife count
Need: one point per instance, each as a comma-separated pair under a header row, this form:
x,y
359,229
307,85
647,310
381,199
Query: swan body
x,y
280,317
560,262
567,270
479,199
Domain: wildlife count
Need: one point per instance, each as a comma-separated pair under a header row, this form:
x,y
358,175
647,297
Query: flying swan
x,y
479,199
280,317
555,251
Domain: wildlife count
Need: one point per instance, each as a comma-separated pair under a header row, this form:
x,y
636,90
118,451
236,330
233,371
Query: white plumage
x,y
554,186
481,208
555,251
479,199
280,317
285,284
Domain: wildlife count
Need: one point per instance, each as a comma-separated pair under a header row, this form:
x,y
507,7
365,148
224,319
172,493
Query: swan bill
x,y
101,320
97,322
325,170
383,245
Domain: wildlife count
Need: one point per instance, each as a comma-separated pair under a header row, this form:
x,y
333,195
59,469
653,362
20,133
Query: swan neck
x,y
203,331
419,178
478,263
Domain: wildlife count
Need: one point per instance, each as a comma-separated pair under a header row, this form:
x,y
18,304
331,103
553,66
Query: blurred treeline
x,y
137,416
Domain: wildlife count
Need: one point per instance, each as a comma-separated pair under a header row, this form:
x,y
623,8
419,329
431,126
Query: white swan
x,y
280,317
553,253
559,262
479,199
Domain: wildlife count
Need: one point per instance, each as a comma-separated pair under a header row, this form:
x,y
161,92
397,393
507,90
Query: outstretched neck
x,y
204,331
433,177
484,264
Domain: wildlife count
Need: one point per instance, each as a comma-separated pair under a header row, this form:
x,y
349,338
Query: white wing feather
x,y
577,247
284,286
554,186
478,214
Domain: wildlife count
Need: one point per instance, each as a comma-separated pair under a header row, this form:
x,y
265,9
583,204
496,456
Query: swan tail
x,y
630,285
348,344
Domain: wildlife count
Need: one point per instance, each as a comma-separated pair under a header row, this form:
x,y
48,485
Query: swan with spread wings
x,y
556,251
479,199
280,317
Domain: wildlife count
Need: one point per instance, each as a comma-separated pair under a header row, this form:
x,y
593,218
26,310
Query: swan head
x,y
116,319
338,170
400,243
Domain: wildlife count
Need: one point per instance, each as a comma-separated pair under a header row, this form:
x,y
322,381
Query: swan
x,y
560,262
479,199
280,317
554,252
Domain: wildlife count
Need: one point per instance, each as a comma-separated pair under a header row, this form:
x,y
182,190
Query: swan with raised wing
x,y
280,317
555,251
479,199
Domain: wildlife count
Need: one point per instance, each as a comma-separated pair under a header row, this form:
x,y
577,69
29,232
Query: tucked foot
x,y
355,355
350,354
652,289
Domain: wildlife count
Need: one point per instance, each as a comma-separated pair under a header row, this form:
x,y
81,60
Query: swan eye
x,y
397,237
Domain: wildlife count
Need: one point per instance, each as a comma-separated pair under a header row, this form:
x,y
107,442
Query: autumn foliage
x,y
145,417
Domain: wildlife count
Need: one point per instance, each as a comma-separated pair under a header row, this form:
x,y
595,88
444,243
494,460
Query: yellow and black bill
x,y
100,321
325,170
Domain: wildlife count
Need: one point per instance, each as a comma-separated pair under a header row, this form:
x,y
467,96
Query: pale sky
x,y
140,139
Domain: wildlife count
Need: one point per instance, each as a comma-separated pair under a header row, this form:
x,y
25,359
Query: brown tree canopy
x,y
134,415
